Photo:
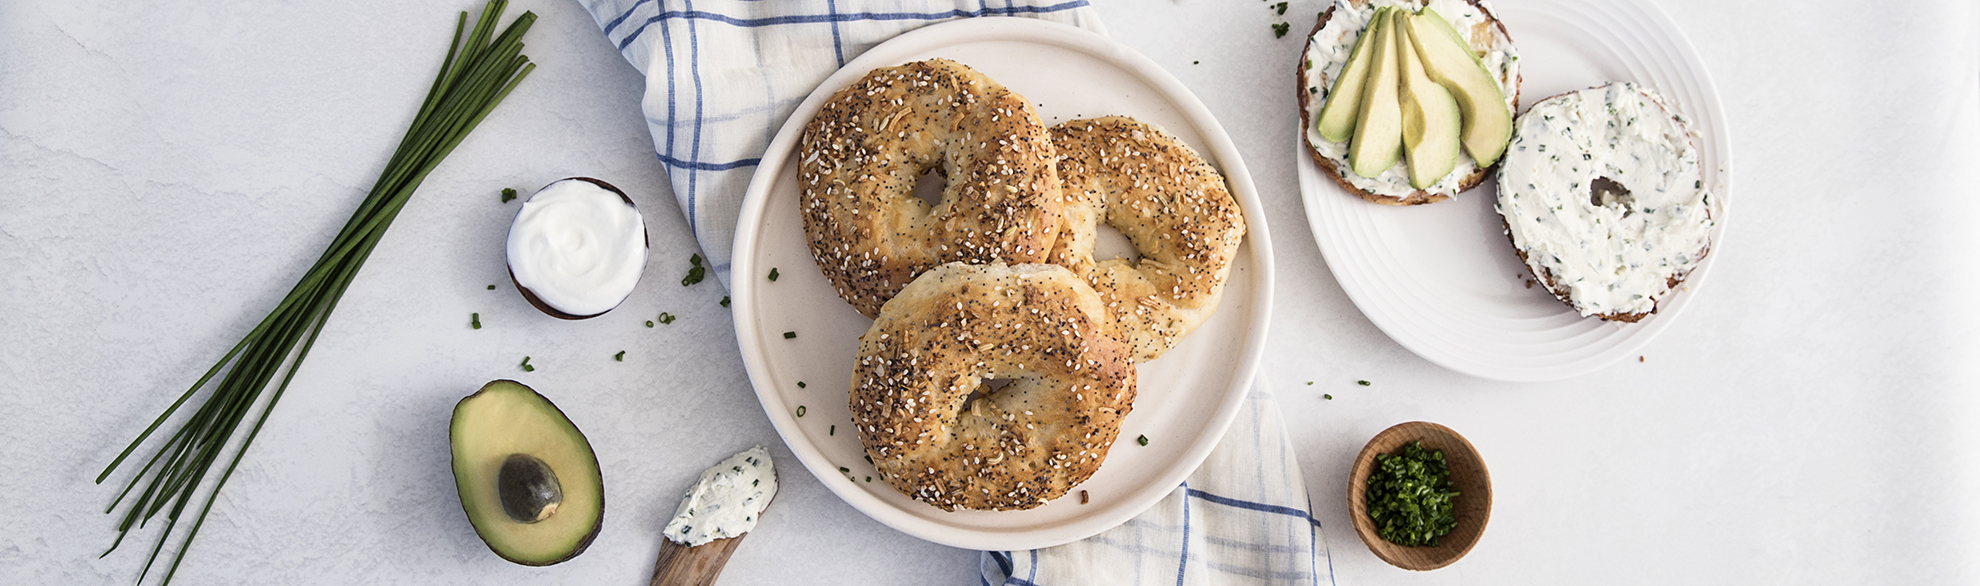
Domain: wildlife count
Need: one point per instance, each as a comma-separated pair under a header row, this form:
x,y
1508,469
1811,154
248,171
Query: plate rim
x,y
921,41
1314,185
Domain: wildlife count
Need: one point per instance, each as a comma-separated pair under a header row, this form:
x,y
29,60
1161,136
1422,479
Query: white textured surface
x,y
167,169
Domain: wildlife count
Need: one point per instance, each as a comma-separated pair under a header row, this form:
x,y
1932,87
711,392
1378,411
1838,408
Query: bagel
x,y
862,155
1171,204
934,346
1604,200
1327,49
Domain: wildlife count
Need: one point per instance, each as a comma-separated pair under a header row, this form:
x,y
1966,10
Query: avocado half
x,y
527,477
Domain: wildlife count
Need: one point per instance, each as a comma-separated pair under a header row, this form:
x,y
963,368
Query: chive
x,y
1281,8
845,470
725,301
649,323
773,274
800,411
833,431
869,479
1363,383
477,73
1309,383
695,271
789,335
1327,397
491,287
621,356
508,194
474,320
525,365
1280,30
800,384
1143,440
666,318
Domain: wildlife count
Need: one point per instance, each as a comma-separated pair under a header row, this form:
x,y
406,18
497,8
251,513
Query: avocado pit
x,y
528,488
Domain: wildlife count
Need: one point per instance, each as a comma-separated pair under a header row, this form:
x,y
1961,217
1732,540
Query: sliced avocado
x,y
1343,105
527,477
1429,121
1378,132
1449,61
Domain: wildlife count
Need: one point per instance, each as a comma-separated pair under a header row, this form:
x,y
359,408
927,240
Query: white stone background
x,y
167,169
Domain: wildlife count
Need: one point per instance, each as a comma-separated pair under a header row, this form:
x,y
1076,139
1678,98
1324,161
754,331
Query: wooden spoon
x,y
697,565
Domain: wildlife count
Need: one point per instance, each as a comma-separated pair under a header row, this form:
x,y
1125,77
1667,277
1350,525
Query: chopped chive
x,y
773,273
621,356
725,301
695,271
1309,383
1281,7
491,287
869,479
800,411
789,335
1363,383
1327,397
508,194
525,365
666,318
800,384
845,470
474,320
1280,30
833,431
649,323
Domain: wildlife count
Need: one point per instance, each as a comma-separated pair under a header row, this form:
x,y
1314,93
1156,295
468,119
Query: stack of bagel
x,y
996,281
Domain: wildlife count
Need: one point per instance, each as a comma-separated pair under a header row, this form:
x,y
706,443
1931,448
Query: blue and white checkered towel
x,y
723,75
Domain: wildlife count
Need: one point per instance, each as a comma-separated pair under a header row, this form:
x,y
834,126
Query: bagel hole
x,y
986,388
928,188
1111,243
1604,191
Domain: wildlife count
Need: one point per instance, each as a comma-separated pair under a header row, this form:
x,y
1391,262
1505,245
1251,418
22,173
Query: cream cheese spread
x,y
1327,52
1610,251
727,501
579,247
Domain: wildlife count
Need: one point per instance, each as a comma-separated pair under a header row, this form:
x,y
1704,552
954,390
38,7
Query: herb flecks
x,y
620,357
474,320
526,366
1410,496
773,274
1279,30
695,273
1143,440
508,194
789,335
666,318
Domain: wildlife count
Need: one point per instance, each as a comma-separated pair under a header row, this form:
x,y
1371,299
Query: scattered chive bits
x,y
508,195
525,365
649,323
845,470
1327,397
789,335
474,320
800,411
666,318
1143,440
773,274
833,431
1309,383
491,287
869,479
621,356
1280,7
1280,30
1364,383
725,301
800,384
695,272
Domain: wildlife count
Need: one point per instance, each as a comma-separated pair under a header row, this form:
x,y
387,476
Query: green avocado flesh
x,y
1448,60
517,457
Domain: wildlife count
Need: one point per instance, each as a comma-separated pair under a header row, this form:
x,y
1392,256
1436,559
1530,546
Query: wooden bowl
x,y
1468,476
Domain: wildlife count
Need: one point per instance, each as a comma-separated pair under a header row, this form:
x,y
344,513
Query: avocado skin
x,y
497,516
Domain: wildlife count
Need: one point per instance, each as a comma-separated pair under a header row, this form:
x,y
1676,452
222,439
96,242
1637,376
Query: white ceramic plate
x,y
1442,280
1186,399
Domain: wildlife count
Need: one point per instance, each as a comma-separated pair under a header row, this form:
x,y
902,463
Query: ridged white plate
x,y
1442,279
1186,399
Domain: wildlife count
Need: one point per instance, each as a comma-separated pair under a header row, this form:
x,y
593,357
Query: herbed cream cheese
x,y
1328,50
727,501
1612,253
578,247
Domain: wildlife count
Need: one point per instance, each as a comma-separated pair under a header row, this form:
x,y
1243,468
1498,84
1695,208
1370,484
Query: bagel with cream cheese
x,y
937,432
862,154
1327,50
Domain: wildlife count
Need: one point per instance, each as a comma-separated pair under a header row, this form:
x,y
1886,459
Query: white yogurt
x,y
578,247
1328,50
727,501
1615,256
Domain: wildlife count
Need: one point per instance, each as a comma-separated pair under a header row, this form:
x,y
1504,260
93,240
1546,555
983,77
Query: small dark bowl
x,y
1468,475
537,302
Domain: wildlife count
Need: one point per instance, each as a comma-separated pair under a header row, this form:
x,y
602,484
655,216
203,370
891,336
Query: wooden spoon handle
x,y
681,565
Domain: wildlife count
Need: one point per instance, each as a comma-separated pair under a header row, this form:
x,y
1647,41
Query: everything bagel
x,y
1171,204
939,434
862,155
